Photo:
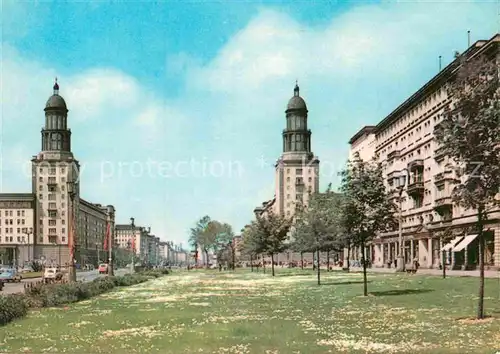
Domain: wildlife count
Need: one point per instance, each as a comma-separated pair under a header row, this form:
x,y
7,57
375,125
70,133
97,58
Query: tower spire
x,y
296,89
56,87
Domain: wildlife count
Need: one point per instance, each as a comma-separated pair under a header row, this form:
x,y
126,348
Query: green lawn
x,y
243,312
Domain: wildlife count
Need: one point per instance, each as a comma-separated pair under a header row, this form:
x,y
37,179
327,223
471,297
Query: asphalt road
x,y
14,288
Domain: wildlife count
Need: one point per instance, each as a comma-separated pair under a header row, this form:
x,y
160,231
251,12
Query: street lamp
x,y
400,185
110,236
132,245
28,233
72,232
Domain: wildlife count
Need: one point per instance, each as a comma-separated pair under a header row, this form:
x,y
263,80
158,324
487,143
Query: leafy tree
x,y
367,207
269,233
253,243
469,135
224,244
203,236
318,224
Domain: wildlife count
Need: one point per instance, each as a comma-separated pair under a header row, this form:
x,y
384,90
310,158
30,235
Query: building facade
x,y
60,221
404,143
132,238
17,218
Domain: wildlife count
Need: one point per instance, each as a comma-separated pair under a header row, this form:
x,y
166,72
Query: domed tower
x,y
297,170
55,184
56,136
296,136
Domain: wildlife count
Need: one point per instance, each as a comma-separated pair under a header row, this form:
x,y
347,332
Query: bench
x,y
411,271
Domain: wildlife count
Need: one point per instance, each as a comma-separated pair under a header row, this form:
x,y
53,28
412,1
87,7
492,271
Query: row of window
x,y
52,170
51,180
20,239
426,129
409,117
11,221
19,213
10,230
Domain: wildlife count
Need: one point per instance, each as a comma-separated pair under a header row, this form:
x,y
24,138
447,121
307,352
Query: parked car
x,y
26,269
10,275
103,268
51,274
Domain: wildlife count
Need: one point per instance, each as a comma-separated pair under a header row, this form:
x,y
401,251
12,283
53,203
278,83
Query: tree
x,y
203,236
248,245
269,233
367,207
469,135
223,244
318,225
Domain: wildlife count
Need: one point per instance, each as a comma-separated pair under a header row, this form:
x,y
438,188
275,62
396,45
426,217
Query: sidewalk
x,y
436,272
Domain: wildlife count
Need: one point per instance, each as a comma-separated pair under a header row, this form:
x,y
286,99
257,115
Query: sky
x,y
177,108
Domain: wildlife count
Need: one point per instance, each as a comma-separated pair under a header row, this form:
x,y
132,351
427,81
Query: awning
x,y
464,243
452,244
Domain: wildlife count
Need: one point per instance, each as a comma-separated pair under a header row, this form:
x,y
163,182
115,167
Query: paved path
x,y
13,288
437,272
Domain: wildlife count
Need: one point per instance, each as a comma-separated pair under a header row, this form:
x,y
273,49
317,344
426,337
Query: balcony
x,y
446,176
439,154
415,188
438,126
393,155
443,205
416,164
393,194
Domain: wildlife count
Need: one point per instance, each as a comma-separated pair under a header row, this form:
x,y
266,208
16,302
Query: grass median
x,y
31,275
243,312
40,295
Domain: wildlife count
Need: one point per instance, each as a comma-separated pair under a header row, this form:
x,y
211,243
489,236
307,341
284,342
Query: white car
x,y
51,274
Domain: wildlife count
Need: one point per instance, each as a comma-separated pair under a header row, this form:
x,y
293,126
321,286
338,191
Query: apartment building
x,y
54,211
131,237
17,211
404,143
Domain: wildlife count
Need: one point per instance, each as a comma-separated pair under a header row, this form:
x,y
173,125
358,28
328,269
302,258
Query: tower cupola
x,y
296,136
55,135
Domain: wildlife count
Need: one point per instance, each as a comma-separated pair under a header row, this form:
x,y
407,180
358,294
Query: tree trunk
x,y
263,265
233,255
444,263
206,258
363,260
318,267
251,263
348,256
327,261
480,222
302,260
272,264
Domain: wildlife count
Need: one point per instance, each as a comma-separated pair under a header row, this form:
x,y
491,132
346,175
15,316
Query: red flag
x,y
106,237
132,243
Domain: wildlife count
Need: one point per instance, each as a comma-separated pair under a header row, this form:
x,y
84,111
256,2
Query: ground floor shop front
x,y
430,250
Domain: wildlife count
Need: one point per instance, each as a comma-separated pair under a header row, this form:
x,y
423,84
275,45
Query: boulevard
x,y
249,312
16,288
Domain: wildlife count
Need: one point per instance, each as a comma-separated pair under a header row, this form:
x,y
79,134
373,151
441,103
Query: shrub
x,y
37,266
50,295
12,307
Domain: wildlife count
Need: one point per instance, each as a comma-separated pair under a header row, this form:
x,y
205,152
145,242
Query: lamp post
x,y
28,233
72,232
132,245
111,239
401,183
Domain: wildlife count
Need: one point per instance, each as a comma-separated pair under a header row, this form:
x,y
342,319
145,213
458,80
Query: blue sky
x,y
173,105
